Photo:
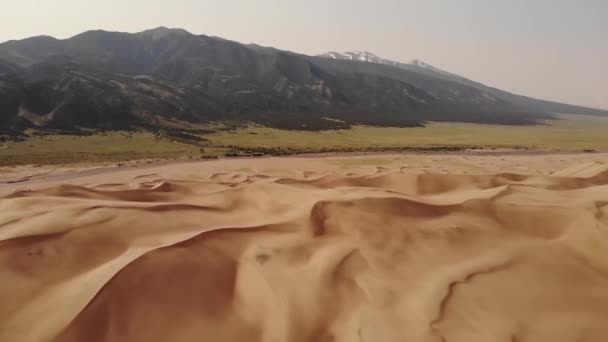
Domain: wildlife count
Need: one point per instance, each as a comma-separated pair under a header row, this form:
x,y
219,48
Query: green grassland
x,y
354,162
570,132
102,147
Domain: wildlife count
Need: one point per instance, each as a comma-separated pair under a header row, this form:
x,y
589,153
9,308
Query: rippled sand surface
x,y
364,254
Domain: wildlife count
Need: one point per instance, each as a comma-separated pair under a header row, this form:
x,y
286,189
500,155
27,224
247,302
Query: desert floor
x,y
382,248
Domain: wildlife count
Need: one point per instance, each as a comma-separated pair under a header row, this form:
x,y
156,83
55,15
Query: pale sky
x,y
549,49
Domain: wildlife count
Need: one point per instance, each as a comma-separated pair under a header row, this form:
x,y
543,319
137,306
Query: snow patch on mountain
x,y
366,56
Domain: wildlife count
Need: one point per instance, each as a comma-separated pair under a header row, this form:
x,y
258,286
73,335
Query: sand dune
x,y
377,256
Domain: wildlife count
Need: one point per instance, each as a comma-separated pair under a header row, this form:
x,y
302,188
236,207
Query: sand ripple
x,y
253,257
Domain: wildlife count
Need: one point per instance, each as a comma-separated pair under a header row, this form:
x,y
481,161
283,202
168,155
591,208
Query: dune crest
x,y
381,257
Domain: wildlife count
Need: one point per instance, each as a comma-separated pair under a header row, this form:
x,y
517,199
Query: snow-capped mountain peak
x,y
365,56
362,56
421,64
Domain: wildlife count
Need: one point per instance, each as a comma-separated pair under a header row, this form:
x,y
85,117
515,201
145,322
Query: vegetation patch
x,y
352,162
213,140
99,147
569,132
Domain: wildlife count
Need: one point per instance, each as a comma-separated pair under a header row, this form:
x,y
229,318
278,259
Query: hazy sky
x,y
551,49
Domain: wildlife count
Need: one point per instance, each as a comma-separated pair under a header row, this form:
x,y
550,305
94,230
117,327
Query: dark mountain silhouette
x,y
419,66
114,80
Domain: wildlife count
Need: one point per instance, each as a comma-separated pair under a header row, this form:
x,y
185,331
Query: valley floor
x,y
569,133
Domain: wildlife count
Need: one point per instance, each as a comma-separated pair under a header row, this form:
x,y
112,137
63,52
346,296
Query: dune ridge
x,y
253,256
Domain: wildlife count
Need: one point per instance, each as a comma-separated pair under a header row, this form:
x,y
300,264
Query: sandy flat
x,y
371,248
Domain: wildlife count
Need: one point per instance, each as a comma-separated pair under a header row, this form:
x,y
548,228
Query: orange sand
x,y
298,250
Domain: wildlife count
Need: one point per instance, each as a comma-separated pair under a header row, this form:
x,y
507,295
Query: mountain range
x,y
116,80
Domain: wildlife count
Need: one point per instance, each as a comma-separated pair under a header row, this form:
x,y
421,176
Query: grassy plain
x,y
101,147
570,132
